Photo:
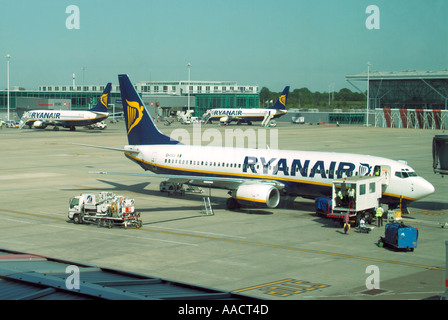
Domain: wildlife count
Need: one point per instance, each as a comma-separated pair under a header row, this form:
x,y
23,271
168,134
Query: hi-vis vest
x,y
379,212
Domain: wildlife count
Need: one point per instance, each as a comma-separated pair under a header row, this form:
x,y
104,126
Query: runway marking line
x,y
255,244
32,214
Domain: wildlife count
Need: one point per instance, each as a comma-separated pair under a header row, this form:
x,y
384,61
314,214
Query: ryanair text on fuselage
x,y
227,112
45,115
305,168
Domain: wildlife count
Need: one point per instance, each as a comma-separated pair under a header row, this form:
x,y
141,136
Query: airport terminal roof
x,y
33,277
402,75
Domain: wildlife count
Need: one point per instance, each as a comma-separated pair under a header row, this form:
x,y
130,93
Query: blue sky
x,y
254,42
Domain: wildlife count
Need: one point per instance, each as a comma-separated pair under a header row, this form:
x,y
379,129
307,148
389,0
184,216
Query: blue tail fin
x,y
281,102
139,125
102,104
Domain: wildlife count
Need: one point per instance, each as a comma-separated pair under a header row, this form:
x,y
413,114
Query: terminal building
x,y
407,99
162,98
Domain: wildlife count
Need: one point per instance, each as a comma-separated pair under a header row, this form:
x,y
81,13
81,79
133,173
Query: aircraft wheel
x,y
232,204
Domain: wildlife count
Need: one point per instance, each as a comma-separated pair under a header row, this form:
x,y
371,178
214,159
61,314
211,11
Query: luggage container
x,y
399,236
322,205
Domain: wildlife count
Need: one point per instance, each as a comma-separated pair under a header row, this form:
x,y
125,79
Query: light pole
x,y
368,96
188,66
8,56
83,72
330,93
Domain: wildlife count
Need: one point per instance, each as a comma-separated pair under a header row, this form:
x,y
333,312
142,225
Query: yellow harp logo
x,y
103,100
282,99
135,114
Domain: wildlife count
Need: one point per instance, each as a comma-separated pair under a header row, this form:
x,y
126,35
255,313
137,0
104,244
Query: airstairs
x,y
268,116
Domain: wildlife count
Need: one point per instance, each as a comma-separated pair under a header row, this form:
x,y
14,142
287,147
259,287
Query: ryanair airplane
x,y
241,115
68,118
255,176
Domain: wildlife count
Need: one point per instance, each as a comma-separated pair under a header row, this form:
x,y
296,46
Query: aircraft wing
x,y
107,148
204,181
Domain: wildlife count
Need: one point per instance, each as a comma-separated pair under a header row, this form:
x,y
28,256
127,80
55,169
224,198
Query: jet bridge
x,y
440,154
445,295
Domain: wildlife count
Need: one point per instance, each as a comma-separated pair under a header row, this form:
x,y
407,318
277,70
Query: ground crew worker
x,y
379,216
346,227
341,197
377,172
351,195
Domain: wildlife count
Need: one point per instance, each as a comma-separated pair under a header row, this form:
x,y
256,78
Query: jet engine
x,y
262,195
38,124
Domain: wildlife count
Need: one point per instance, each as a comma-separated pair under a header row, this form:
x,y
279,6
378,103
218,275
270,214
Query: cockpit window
x,y
405,174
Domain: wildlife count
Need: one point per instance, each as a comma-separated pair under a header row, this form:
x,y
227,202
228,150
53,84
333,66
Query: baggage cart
x,y
399,236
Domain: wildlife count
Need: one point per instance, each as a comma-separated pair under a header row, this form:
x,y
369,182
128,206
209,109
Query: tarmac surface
x,y
284,253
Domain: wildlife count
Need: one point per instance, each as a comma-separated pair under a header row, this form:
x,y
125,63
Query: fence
x,y
411,118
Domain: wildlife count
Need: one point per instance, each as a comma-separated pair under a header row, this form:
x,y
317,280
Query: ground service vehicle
x,y
357,196
105,209
98,125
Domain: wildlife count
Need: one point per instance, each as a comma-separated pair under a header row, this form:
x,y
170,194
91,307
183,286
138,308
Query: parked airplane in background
x,y
254,176
241,115
68,118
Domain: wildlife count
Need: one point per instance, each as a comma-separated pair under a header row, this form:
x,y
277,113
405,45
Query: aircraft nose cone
x,y
426,188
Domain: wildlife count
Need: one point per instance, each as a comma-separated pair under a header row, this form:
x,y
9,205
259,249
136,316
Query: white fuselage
x,y
303,173
244,114
63,117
